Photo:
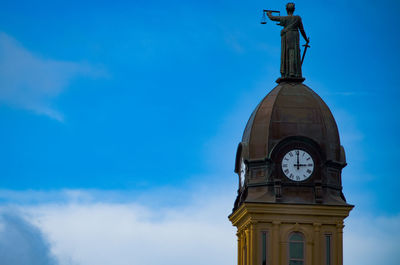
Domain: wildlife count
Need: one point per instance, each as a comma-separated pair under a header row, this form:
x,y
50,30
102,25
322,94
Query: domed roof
x,y
291,109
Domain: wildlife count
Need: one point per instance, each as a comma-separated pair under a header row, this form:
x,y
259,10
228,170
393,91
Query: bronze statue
x,y
290,46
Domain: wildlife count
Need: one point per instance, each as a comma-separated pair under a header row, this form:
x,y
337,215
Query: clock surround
x,y
297,143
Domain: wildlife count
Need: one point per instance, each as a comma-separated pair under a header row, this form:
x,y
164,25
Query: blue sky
x,y
145,101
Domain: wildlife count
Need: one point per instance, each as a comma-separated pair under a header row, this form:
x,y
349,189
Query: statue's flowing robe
x,y
290,46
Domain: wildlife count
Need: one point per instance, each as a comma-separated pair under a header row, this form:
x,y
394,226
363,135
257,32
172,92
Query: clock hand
x,y
298,160
299,165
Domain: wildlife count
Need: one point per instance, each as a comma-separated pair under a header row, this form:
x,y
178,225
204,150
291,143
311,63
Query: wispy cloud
x,y
30,82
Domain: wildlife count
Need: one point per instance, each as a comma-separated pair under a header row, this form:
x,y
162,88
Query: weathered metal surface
x,y
291,109
291,116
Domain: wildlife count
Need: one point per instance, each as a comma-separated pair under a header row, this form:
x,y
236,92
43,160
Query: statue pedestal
x,y
290,79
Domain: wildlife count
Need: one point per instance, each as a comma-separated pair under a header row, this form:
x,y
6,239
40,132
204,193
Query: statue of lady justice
x,y
290,47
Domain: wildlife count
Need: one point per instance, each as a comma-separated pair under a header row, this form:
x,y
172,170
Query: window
x,y
263,248
296,249
328,239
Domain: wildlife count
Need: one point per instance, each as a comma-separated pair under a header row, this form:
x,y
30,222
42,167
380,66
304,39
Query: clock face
x,y
242,172
297,165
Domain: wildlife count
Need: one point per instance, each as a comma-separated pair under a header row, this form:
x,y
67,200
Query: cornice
x,y
283,209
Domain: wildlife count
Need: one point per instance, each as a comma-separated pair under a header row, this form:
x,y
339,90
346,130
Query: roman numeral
x,y
286,171
308,158
291,154
287,159
284,165
297,177
308,171
310,165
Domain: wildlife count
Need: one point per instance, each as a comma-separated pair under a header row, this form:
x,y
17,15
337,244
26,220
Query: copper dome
x,y
291,116
291,109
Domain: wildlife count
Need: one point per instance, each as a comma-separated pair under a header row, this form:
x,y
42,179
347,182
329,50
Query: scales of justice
x,y
291,61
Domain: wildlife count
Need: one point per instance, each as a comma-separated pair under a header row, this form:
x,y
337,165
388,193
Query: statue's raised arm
x,y
290,44
273,18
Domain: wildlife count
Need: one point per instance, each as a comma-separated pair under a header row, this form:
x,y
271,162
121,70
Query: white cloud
x,y
372,240
129,233
90,232
30,82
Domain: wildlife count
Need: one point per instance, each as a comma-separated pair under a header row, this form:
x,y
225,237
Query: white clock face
x,y
242,172
297,165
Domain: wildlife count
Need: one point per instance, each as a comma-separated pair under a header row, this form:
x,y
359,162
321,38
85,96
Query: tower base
x,y
274,234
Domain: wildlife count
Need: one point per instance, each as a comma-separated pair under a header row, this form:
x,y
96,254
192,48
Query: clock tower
x,y
290,206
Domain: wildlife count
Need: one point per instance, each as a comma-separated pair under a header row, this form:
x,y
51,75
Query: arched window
x,y
296,249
